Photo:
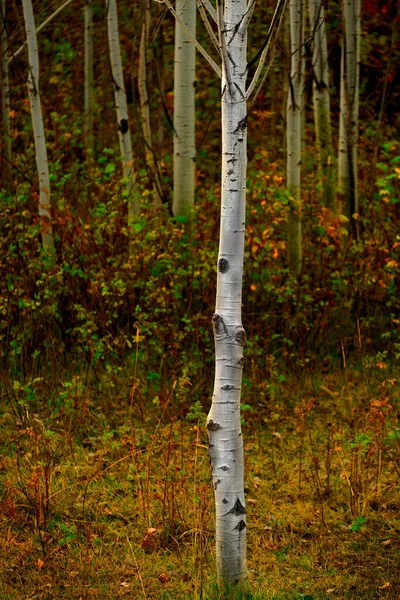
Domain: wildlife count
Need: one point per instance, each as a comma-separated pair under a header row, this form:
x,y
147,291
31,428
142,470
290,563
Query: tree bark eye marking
x,y
237,509
123,125
240,526
223,265
212,426
216,484
240,337
224,468
228,387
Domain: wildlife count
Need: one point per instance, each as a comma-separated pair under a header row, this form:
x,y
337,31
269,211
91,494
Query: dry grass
x,y
97,505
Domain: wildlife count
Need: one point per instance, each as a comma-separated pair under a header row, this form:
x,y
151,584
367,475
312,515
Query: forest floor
x,y
99,503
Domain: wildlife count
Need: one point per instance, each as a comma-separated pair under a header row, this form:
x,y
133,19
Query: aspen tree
x,y
88,81
5,99
145,109
38,128
348,122
231,18
184,110
294,134
321,102
124,135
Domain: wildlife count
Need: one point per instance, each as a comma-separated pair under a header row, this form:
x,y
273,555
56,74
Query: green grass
x,y
94,506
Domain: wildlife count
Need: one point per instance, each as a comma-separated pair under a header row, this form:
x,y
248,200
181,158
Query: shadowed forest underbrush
x,y
99,502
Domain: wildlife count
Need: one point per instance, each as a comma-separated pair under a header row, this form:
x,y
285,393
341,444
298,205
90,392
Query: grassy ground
x,y
98,503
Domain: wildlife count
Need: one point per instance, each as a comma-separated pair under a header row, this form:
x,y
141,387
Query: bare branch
x,y
203,15
40,28
213,13
199,47
271,36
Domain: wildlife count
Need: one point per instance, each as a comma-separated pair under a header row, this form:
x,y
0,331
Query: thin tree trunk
x,y
5,101
322,104
223,422
38,128
145,109
184,111
349,102
125,142
88,84
294,135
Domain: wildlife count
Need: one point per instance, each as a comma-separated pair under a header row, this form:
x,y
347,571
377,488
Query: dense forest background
x,y
106,352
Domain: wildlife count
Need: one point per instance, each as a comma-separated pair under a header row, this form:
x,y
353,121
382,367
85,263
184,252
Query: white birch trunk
x,y
184,111
223,421
294,135
321,102
145,109
38,128
5,100
124,135
88,83
349,101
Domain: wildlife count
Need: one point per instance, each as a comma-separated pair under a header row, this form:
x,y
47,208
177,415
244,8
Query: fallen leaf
x,y
385,585
251,501
163,578
330,590
386,542
40,564
124,584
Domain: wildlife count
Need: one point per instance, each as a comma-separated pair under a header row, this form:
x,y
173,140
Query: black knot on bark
x,y
223,265
240,337
237,509
212,426
240,526
123,125
228,387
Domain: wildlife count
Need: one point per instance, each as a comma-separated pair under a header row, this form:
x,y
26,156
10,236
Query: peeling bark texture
x,y
88,83
349,101
121,106
322,104
294,135
38,129
184,111
5,100
226,442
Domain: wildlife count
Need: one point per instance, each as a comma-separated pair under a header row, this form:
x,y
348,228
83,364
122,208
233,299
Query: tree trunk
x,y
223,422
348,123
38,128
88,85
5,101
322,104
125,142
145,109
294,135
184,111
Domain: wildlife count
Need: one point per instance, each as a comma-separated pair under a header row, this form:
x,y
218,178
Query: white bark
x,y
294,134
184,111
124,135
321,102
38,128
223,422
145,109
349,101
5,100
88,83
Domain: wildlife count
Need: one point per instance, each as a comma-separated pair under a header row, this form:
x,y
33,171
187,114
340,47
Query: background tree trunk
x,y
125,142
6,171
294,134
322,104
38,128
88,85
349,101
184,111
145,109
